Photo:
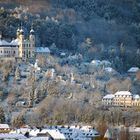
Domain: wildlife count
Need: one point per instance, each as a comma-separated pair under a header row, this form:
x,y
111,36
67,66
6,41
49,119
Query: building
x,y
62,133
108,100
8,49
133,71
19,47
8,136
4,128
122,99
42,51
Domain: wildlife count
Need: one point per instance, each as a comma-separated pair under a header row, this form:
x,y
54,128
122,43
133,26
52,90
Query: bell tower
x,y
32,42
18,33
21,43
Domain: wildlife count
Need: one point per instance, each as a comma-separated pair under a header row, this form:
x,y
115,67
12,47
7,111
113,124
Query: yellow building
x,y
121,99
26,46
20,47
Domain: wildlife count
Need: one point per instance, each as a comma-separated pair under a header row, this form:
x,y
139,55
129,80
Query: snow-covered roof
x,y
32,31
96,62
4,43
21,30
134,129
40,138
42,50
126,93
54,133
34,132
136,96
109,96
106,62
4,126
14,42
62,54
109,69
133,69
12,136
107,134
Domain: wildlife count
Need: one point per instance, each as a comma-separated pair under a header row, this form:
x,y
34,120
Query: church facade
x,y
19,47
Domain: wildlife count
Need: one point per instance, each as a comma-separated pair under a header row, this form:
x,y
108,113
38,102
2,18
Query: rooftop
x,y
123,93
4,43
4,126
42,50
133,69
109,96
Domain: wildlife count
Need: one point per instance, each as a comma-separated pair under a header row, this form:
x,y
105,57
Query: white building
x,y
42,50
62,133
121,98
108,99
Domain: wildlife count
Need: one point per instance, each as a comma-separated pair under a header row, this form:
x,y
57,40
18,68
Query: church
x,y
20,47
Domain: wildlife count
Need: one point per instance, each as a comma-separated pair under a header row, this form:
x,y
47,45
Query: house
x,y
133,71
19,47
108,99
4,128
134,133
60,133
52,133
42,51
96,62
99,63
8,136
136,100
121,99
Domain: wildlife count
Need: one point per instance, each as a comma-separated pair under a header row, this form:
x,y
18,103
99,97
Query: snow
x,y
96,62
40,138
54,133
136,96
4,43
5,126
133,69
12,136
134,129
42,50
122,93
14,42
109,96
63,54
107,134
109,69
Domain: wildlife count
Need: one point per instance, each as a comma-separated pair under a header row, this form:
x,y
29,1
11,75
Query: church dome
x,y
21,30
18,30
32,31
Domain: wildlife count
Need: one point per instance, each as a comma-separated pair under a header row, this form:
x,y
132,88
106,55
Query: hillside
x,y
68,23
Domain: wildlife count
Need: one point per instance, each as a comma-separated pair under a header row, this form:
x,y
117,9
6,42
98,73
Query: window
x,y
29,53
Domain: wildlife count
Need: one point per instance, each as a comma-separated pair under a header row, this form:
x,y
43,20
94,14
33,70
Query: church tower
x,y
21,43
32,43
18,33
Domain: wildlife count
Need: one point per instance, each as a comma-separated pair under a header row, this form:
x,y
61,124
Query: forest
x,y
112,26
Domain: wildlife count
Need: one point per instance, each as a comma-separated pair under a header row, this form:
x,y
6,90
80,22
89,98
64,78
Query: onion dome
x,y
32,31
18,30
